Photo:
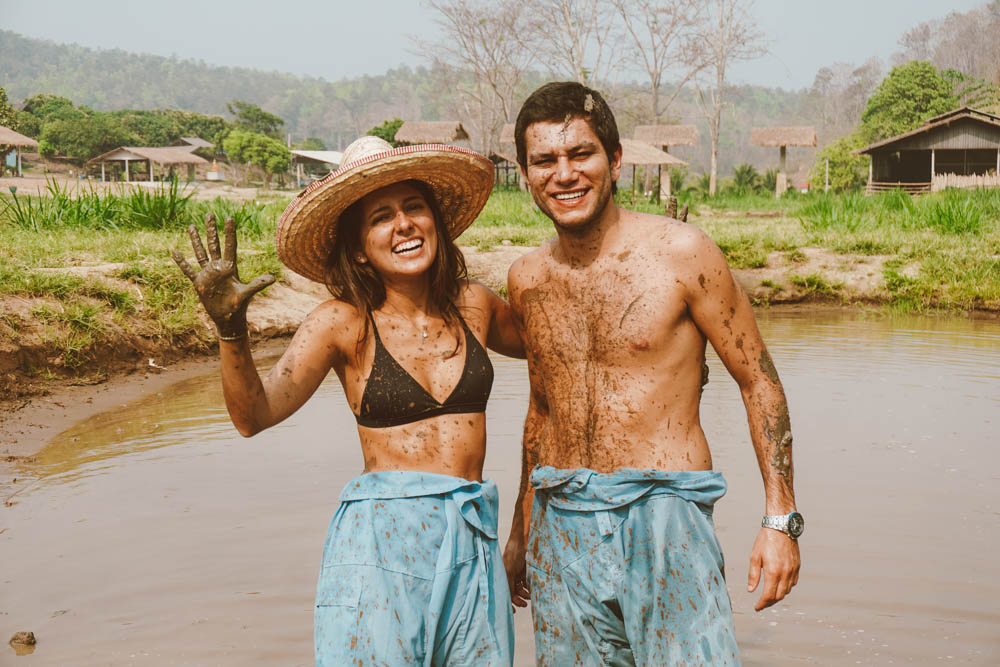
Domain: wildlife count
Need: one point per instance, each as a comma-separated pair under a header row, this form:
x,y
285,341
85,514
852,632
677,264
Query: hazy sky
x,y
343,38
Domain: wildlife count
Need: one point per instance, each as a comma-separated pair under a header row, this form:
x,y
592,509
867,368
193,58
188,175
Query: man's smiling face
x,y
568,172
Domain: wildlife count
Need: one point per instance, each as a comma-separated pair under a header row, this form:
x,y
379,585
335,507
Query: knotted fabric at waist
x,y
585,490
477,502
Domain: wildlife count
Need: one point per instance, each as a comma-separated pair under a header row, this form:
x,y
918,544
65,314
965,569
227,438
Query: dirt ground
x,y
34,183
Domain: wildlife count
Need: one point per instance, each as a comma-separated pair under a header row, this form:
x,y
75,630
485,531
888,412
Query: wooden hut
x,y
640,153
432,132
9,137
960,148
166,156
783,137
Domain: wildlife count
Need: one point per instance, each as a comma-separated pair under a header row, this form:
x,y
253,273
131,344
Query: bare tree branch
x,y
729,35
578,39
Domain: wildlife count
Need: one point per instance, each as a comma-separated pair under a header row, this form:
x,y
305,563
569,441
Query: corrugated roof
x,y
165,155
667,135
783,136
9,137
327,157
639,152
431,132
196,142
937,121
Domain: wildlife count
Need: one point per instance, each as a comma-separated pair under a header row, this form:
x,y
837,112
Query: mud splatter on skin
x,y
767,366
778,430
701,280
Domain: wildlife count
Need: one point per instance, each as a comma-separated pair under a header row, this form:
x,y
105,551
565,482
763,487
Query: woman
x,y
411,569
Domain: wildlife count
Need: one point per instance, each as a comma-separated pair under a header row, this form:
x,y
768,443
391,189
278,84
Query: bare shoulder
x,y
475,293
529,269
334,321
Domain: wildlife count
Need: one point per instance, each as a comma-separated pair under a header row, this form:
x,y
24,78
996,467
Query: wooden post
x,y
150,170
103,179
932,169
871,163
17,149
781,159
827,188
127,177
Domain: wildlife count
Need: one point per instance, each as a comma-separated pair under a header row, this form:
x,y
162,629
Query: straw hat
x,y
460,179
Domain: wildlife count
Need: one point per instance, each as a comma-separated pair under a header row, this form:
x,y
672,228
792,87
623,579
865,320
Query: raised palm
x,y
220,290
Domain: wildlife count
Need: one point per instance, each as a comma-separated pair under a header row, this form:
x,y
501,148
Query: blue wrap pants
x,y
412,575
625,569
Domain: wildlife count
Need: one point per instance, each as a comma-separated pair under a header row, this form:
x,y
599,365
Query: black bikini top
x,y
392,397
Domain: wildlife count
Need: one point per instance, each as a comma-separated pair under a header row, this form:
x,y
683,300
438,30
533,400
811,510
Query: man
x,y
622,559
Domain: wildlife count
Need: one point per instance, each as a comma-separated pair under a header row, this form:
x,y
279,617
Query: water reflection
x,y
155,534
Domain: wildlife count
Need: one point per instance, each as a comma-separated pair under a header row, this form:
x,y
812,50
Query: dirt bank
x,y
39,394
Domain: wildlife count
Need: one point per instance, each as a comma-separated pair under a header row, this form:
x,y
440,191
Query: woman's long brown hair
x,y
360,285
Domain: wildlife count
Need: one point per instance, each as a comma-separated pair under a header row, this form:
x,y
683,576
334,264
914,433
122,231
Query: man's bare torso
x,y
615,352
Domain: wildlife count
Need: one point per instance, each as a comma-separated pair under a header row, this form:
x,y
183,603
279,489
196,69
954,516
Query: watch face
x,y
796,524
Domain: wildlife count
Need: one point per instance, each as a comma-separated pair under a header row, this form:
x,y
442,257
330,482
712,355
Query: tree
x,y
252,118
847,171
83,138
252,149
662,34
387,130
728,36
911,94
578,39
482,59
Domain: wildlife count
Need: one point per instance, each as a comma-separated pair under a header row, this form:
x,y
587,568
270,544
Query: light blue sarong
x,y
412,575
625,569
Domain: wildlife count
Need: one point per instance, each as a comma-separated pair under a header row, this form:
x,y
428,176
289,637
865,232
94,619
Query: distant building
x,y
960,149
149,157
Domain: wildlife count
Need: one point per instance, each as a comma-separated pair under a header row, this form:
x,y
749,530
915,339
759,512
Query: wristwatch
x,y
791,524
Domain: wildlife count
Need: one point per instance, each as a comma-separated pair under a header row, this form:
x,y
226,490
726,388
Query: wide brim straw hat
x,y
460,179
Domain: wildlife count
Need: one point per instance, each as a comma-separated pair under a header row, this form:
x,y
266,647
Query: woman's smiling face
x,y
398,232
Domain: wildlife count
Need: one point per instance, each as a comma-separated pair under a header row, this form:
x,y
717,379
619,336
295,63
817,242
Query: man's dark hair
x,y
561,101
361,285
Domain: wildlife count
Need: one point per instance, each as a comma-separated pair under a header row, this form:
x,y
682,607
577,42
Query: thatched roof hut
x,y
9,137
431,132
783,136
667,135
639,152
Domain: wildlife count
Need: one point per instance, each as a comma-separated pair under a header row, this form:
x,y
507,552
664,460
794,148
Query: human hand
x,y
517,572
220,290
777,555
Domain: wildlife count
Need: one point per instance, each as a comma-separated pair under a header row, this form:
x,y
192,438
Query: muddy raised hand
x,y
222,293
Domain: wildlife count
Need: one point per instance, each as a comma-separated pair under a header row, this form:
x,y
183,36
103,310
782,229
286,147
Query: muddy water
x,y
154,535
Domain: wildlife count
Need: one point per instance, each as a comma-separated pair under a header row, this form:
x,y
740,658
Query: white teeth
x,y
408,246
565,196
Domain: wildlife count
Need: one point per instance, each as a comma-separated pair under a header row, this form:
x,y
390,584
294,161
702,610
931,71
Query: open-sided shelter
x,y
960,148
9,137
783,137
302,158
666,136
640,153
166,156
432,132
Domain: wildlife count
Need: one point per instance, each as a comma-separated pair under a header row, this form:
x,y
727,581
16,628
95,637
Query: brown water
x,y
155,535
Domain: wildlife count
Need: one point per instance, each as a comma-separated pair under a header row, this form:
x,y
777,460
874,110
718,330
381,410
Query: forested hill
x,y
337,112
107,80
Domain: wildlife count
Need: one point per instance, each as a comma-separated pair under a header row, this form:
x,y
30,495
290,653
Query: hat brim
x,y
460,179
